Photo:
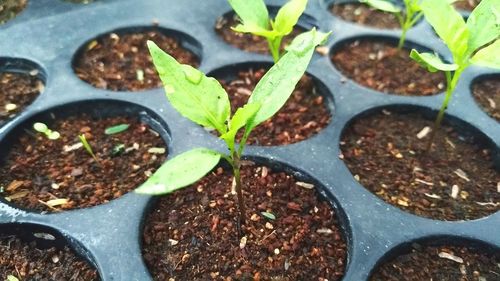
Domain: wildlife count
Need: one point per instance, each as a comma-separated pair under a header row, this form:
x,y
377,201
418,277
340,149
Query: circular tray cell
x,y
306,112
291,232
120,60
252,43
21,82
443,259
466,5
456,180
32,252
364,15
376,62
11,8
42,174
486,91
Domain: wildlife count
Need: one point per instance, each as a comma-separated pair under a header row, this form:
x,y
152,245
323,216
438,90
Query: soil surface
x,y
17,91
456,181
303,115
443,263
27,262
192,234
10,8
365,15
38,171
487,94
121,62
467,5
245,41
383,67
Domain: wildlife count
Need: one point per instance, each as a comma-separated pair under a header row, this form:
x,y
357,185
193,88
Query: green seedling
x,y
116,129
12,278
255,19
204,101
473,42
44,129
87,147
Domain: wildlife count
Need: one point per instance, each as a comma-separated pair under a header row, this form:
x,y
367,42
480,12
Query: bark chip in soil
x,y
456,181
191,234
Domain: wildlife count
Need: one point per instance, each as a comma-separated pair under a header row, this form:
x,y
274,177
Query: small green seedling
x,y
204,101
87,147
116,129
44,129
255,20
12,278
473,42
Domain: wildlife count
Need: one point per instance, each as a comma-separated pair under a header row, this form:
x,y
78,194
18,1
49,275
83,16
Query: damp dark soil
x,y
467,5
444,263
245,41
27,262
456,181
54,175
121,62
10,8
303,115
487,94
383,67
365,15
17,90
192,234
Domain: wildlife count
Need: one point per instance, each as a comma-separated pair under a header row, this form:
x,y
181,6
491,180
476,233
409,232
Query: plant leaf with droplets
x,y
432,62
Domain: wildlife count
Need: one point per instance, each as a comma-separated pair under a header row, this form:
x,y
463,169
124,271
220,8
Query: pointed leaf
x,y
383,5
279,82
432,62
197,97
484,24
180,171
254,29
242,116
251,12
489,56
288,16
448,24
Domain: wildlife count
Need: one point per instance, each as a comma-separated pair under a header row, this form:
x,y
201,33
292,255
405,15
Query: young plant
x,y
205,102
473,42
87,147
44,129
255,20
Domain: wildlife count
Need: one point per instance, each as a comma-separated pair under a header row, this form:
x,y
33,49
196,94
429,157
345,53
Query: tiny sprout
x,y
42,128
255,20
87,146
116,129
118,149
268,215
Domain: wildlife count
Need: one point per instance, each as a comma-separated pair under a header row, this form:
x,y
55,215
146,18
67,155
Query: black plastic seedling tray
x,y
48,35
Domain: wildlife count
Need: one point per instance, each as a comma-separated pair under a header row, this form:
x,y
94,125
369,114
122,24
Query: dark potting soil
x,y
17,90
38,171
121,62
303,115
192,234
365,15
443,263
10,8
245,41
467,5
383,67
456,181
487,94
27,262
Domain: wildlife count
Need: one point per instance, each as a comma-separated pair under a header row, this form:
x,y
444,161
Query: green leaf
x,y
12,278
116,129
432,62
240,119
448,24
268,215
180,171
288,16
197,97
386,6
255,29
483,24
279,82
252,12
488,56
